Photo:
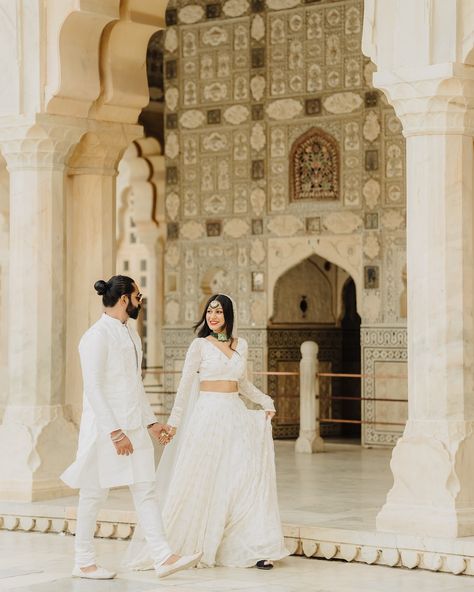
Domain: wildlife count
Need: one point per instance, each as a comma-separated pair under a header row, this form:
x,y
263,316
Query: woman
x,y
217,478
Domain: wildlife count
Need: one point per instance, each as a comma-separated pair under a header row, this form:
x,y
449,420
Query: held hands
x,y
162,432
167,434
270,414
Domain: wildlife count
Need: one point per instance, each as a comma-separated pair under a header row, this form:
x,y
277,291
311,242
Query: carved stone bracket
x,y
106,77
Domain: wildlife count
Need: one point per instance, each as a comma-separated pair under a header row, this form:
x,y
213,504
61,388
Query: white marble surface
x,y
434,102
328,501
32,562
344,487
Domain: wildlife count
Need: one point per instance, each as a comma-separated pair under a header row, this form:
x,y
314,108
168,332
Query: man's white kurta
x,y
114,398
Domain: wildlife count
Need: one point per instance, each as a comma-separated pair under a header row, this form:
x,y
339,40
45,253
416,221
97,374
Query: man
x,y
115,447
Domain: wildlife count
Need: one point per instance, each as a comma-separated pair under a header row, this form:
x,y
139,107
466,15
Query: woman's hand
x,y
171,431
270,414
158,431
167,434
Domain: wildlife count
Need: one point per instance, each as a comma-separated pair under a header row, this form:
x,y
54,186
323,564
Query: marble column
x,y
149,216
91,249
309,439
433,463
62,237
4,258
35,435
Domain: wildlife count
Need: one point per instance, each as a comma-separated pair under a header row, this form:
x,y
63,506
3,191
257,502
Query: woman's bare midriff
x,y
220,386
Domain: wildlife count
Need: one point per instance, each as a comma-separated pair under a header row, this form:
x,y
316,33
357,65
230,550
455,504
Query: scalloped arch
x,y
284,254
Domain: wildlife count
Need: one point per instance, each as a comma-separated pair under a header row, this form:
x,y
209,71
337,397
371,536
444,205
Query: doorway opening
x,y
316,301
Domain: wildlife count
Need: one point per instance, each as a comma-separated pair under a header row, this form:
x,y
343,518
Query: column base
x,y
41,443
431,522
433,490
35,491
308,443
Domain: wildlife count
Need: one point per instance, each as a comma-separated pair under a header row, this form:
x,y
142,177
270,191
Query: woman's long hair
x,y
203,329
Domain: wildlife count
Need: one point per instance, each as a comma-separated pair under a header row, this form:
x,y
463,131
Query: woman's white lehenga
x,y
216,481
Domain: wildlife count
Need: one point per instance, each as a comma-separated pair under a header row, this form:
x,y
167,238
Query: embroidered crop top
x,y
213,364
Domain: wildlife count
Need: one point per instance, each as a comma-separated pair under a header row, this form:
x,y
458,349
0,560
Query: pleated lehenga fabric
x,y
222,498
216,482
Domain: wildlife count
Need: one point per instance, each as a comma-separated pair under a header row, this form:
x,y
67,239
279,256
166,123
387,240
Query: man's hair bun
x,y
101,287
114,289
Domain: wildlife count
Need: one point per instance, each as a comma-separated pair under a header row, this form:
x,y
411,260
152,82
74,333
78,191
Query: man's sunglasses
x,y
138,296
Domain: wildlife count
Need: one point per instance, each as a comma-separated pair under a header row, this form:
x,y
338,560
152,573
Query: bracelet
x,y
118,436
119,439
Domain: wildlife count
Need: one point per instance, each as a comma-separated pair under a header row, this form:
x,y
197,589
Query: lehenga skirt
x,y
222,497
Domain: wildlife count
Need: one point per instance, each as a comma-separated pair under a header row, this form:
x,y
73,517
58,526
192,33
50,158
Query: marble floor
x,y
329,499
344,487
34,562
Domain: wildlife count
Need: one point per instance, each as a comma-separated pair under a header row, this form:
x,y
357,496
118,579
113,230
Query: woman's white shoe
x,y
184,562
97,574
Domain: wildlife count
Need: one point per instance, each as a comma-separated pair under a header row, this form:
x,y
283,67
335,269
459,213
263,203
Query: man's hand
x,y
124,447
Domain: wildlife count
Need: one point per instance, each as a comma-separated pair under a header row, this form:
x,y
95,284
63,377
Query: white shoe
x,y
98,574
185,562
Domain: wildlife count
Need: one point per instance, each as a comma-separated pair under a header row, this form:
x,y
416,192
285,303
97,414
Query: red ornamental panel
x,y
314,167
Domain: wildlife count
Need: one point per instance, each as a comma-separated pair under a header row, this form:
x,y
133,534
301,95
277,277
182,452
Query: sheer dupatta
x,y
137,556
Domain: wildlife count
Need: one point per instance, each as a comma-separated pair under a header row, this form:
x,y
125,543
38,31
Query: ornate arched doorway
x,y
315,300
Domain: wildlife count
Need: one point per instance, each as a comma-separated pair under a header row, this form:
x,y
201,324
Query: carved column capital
x,y
437,99
39,142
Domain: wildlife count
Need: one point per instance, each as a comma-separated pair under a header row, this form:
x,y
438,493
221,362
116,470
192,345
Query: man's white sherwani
x,y
114,398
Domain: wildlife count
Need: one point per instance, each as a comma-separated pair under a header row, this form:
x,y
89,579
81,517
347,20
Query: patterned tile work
x,y
244,83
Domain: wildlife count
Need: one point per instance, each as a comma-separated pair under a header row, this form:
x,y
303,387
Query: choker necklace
x,y
220,336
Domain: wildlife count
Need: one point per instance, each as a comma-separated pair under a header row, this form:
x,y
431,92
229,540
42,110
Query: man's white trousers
x,y
149,518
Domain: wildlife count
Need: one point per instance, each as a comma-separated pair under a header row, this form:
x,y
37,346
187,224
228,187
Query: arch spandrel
x,y
408,34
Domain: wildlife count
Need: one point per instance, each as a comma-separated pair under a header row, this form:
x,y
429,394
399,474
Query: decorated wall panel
x,y
385,384
245,82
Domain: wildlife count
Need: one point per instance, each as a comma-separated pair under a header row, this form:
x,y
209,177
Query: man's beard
x,y
133,311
